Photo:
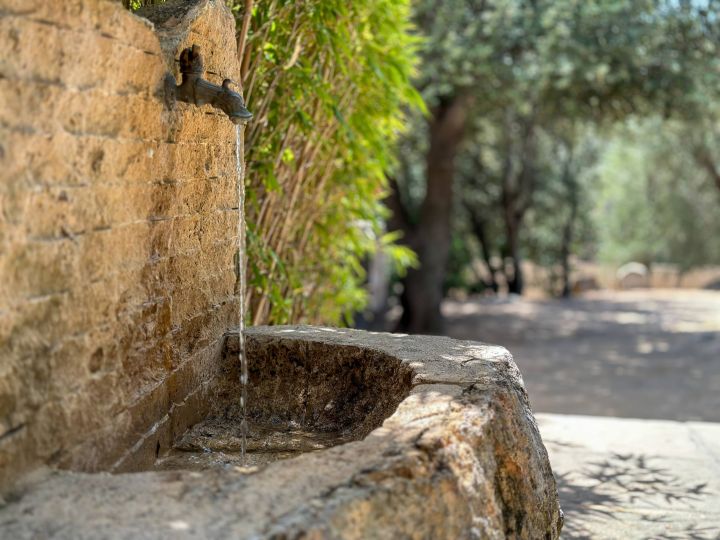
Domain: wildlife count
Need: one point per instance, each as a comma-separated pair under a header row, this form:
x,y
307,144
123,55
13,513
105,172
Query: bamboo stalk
x,y
242,38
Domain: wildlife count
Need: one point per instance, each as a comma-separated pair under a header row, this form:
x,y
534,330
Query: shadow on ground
x,y
639,354
622,481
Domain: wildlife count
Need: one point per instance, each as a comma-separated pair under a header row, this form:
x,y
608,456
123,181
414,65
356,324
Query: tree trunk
x,y
516,282
567,239
568,233
423,291
565,263
479,231
516,196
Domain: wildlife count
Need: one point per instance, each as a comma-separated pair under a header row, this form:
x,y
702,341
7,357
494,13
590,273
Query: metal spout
x,y
196,90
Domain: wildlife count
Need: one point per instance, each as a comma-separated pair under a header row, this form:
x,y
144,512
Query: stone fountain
x,y
399,437
119,410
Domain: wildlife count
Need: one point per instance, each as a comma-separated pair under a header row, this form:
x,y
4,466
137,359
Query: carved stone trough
x,y
359,435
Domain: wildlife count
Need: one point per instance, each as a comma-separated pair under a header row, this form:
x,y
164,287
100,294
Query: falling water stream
x,y
241,294
214,442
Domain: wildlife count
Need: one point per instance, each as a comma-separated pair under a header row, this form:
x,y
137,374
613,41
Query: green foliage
x,y
560,223
611,58
134,5
654,202
327,81
596,58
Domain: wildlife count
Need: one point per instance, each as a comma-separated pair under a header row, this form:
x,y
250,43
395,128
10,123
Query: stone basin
x,y
352,435
304,395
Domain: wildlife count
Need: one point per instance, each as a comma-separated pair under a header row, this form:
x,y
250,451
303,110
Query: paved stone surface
x,y
635,354
460,457
630,479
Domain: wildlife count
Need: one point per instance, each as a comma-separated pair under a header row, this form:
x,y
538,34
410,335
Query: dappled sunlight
x,y
480,353
179,525
636,353
645,346
708,325
626,317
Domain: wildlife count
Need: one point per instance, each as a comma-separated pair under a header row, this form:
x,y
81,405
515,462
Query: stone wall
x,y
117,232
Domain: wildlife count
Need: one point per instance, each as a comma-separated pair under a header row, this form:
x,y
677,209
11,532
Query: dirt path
x,y
639,354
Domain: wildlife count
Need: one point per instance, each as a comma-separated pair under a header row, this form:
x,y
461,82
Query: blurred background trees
x,y
578,134
656,199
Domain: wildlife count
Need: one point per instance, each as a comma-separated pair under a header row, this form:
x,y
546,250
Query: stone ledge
x,y
461,457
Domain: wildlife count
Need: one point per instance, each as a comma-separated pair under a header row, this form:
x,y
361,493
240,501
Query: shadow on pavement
x,y
605,488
